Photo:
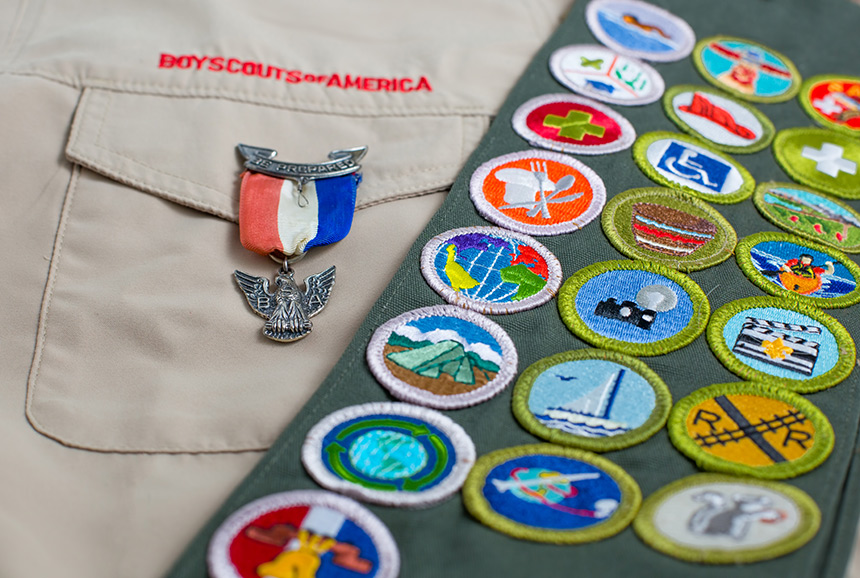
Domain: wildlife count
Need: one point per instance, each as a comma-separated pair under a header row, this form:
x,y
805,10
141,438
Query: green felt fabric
x,y
821,37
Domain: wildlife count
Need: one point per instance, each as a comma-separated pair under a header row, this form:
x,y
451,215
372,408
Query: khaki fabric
x,y
136,387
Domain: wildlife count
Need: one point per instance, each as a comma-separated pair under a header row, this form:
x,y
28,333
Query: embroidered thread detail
x,y
833,101
823,159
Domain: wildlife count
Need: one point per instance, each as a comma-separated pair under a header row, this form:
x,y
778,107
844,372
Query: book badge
x,y
284,210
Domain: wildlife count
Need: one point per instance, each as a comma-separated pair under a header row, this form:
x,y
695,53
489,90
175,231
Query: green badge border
x,y
816,455
726,236
768,130
647,531
567,308
480,509
758,201
655,422
806,103
842,369
801,177
640,148
742,254
793,89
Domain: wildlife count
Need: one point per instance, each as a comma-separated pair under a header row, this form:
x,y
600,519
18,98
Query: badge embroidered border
x,y
787,94
571,318
805,99
818,233
744,259
655,422
758,144
822,443
789,147
409,393
218,555
520,124
683,49
618,214
496,216
553,279
640,155
845,345
648,531
410,494
479,507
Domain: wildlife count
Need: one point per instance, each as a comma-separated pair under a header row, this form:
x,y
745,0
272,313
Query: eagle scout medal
x,y
746,69
636,307
572,124
781,342
490,270
786,266
395,454
720,519
603,74
537,192
640,29
820,158
809,214
683,162
668,227
592,399
833,101
303,533
284,210
547,493
751,429
725,123
442,356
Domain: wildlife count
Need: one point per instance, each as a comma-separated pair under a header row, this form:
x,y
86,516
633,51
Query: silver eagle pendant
x,y
288,309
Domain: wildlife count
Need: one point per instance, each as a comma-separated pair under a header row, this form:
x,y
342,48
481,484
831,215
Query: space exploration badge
x,y
284,210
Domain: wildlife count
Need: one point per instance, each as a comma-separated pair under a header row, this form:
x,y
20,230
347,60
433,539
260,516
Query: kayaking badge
x,y
284,210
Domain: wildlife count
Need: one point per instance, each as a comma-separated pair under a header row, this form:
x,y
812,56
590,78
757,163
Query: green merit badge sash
x,y
781,337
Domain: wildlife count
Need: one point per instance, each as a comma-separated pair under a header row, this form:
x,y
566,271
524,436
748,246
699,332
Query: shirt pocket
x,y
141,345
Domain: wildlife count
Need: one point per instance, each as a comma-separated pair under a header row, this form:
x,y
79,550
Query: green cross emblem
x,y
575,125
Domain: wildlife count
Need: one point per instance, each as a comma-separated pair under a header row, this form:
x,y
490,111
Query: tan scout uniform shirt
x,y
136,387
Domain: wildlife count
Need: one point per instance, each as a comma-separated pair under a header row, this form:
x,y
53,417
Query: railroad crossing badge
x,y
781,342
720,519
822,159
752,429
572,124
548,493
833,101
395,454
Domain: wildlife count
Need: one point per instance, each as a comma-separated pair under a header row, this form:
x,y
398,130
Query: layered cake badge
x,y
669,231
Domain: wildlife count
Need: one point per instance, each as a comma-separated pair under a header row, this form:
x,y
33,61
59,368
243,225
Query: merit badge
x,y
823,159
605,75
746,69
636,307
782,342
284,210
537,192
668,227
303,533
786,266
809,214
490,270
751,429
443,357
592,399
572,124
548,493
682,162
395,454
640,29
725,123
833,101
720,519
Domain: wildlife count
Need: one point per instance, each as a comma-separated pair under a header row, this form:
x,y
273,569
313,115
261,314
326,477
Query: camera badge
x,y
636,307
